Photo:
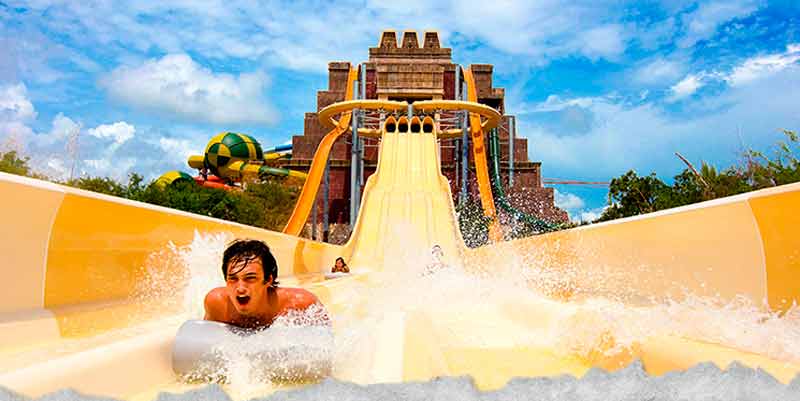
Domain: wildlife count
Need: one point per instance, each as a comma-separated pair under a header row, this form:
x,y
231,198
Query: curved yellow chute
x,y
309,193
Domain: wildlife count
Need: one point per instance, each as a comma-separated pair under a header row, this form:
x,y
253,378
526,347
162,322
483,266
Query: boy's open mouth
x,y
243,299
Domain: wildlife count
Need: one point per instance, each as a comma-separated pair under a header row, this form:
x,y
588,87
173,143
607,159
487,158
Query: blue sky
x,y
598,87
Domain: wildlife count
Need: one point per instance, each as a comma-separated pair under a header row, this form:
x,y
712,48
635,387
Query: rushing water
x,y
454,290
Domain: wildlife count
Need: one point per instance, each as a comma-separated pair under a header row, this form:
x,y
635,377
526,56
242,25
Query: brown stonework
x,y
412,71
410,40
449,83
337,76
372,82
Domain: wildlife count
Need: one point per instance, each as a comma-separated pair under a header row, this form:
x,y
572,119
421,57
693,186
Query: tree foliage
x,y
631,194
267,204
12,163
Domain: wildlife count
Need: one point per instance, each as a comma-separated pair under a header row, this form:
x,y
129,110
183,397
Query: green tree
x,y
12,163
784,168
631,194
275,199
103,185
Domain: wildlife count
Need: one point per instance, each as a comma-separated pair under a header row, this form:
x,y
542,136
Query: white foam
x,y
492,288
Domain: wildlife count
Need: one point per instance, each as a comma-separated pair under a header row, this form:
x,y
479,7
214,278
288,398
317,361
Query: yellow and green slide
x,y
94,287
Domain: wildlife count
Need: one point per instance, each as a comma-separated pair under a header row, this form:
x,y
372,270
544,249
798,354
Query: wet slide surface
x,y
103,284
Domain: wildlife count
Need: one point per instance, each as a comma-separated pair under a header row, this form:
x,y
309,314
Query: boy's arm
x,y
307,301
215,306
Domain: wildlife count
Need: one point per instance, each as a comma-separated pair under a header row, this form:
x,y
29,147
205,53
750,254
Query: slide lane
x,y
72,313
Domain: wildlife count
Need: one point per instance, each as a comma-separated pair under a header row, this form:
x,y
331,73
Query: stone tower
x,y
419,70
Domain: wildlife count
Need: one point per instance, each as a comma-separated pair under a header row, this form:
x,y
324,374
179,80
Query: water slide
x,y
243,168
524,224
308,194
479,157
97,286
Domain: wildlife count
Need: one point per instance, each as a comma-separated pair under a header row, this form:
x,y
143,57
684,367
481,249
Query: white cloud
x,y
55,153
602,42
63,129
757,67
177,84
14,103
98,164
686,87
658,71
576,207
57,168
588,215
644,136
67,149
704,21
179,149
119,131
568,201
557,103
16,111
541,30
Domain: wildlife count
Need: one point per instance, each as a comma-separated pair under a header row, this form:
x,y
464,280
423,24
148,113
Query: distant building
x,y
412,72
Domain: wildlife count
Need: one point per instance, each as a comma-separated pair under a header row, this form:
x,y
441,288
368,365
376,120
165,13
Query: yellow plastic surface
x,y
479,157
77,256
309,192
327,113
406,201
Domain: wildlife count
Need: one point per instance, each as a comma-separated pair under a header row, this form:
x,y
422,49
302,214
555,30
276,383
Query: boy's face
x,y
245,284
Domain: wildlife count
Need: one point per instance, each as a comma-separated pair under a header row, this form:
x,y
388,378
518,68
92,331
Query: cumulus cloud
x,y
177,84
703,22
16,111
644,136
540,30
557,103
63,128
576,207
67,150
568,201
686,87
757,67
588,215
746,72
658,71
119,132
14,103
602,42
179,149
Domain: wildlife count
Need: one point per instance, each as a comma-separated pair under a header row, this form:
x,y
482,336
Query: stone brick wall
x,y
415,69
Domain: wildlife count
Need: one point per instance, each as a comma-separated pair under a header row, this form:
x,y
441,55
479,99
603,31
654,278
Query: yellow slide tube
x,y
309,192
481,166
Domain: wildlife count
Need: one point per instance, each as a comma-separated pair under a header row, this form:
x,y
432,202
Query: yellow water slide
x,y
95,286
309,192
481,164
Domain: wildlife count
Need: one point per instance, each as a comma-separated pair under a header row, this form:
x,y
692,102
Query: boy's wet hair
x,y
247,250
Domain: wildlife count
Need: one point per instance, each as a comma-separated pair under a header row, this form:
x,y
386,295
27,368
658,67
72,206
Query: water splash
x,y
498,286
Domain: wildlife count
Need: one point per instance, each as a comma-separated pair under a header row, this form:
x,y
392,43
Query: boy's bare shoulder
x,y
216,304
299,298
